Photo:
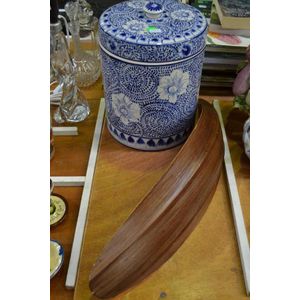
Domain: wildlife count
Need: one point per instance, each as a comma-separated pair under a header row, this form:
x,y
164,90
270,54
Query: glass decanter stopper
x,y
85,12
73,105
89,29
87,66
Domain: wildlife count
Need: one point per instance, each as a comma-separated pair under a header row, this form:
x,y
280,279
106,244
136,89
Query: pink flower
x,y
241,83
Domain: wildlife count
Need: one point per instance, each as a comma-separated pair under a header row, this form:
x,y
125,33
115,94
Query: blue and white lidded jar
x,y
152,55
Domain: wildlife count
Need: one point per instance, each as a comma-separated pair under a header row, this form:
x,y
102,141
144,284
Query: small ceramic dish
x,y
58,209
56,257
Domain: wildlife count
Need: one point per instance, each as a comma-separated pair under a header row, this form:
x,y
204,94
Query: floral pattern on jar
x,y
136,3
174,85
183,15
134,26
125,109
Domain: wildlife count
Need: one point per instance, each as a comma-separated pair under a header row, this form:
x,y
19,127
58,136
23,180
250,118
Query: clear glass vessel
x,y
87,65
89,29
73,105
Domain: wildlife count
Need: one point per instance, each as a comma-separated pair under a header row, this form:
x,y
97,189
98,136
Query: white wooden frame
x,y
68,180
65,131
237,212
80,226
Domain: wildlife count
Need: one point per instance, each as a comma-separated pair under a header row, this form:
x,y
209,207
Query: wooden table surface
x,y
207,266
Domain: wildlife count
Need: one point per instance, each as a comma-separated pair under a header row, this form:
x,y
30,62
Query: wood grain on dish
x,y
168,213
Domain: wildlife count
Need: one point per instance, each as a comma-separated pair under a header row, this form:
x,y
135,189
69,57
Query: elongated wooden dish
x,y
167,215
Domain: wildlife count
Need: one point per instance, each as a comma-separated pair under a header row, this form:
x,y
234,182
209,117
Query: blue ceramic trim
x,y
152,53
146,63
62,254
141,143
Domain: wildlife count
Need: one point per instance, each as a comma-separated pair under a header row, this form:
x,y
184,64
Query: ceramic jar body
x,y
151,107
151,67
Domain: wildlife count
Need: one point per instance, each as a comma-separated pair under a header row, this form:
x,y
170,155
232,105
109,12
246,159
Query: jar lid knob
x,y
153,10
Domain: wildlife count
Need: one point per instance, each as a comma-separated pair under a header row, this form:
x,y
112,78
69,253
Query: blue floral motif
x,y
125,109
111,45
174,85
135,26
185,49
136,3
183,15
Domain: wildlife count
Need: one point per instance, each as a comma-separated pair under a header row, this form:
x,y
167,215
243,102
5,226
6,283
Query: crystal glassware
x,y
89,29
87,66
73,105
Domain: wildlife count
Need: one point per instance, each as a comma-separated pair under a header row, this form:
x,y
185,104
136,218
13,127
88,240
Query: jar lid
x,y
157,25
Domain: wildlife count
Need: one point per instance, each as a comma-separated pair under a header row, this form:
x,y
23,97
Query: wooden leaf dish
x,y
168,213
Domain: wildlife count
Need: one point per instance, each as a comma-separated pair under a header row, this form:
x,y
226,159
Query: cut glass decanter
x,y
87,66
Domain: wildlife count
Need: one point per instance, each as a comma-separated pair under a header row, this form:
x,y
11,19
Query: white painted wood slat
x,y
237,212
80,226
